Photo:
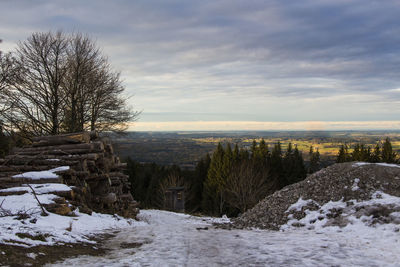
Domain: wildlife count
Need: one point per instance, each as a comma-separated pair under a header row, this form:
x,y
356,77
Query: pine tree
x,y
314,160
341,157
300,171
276,165
263,150
365,153
194,199
388,155
236,154
356,154
376,154
253,149
212,184
243,154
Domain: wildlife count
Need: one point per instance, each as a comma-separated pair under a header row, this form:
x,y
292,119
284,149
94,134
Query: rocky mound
x,y
330,197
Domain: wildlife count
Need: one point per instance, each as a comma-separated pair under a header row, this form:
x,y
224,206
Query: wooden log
x,y
109,148
94,146
82,174
37,181
90,156
23,168
110,198
126,197
9,174
94,135
55,142
103,176
80,137
42,162
60,152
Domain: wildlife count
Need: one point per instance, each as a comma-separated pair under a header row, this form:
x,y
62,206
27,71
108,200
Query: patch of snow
x,y
53,159
388,165
55,228
39,188
50,174
318,219
357,164
299,204
32,255
355,185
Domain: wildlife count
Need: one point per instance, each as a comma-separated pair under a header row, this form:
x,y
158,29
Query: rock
x,y
345,181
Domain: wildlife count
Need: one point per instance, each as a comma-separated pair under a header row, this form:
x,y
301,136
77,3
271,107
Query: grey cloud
x,y
236,51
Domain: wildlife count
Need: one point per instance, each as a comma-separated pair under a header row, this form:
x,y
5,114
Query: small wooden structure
x,y
175,199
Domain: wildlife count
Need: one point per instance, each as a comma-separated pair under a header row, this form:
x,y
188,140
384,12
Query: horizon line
x,y
212,126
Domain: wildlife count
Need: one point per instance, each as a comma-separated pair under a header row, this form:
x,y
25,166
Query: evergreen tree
x,y
347,153
387,152
276,165
314,160
356,154
244,154
236,154
213,185
376,154
300,171
365,153
263,150
253,150
341,157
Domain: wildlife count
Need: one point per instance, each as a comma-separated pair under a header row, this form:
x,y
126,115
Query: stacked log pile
x,y
95,173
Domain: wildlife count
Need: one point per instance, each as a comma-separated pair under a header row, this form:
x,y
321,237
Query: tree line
x,y
59,83
230,181
361,152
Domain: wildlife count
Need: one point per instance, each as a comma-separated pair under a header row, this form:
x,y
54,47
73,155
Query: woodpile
x,y
95,173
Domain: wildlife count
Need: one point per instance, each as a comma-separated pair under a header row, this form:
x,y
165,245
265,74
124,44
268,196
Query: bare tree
x,y
84,61
247,185
37,92
66,85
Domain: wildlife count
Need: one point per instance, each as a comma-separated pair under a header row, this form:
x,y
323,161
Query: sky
x,y
238,65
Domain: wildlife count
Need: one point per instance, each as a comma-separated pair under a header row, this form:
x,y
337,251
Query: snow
x,y
358,164
318,219
50,174
55,228
172,239
40,188
299,204
355,185
32,255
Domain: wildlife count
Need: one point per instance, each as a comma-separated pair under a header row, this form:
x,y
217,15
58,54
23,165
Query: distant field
x,y
186,148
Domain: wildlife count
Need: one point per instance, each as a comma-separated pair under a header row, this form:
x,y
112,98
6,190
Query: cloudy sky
x,y
238,65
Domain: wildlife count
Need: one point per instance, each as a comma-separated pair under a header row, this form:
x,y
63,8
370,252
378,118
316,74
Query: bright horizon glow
x,y
264,126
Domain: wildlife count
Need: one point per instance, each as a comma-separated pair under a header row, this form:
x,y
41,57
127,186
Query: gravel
x,y
345,181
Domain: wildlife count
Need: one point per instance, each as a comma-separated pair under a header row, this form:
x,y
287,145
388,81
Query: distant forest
x,y
185,149
233,179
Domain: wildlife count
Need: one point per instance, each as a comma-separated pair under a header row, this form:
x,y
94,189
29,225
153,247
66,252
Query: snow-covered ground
x,y
32,229
172,239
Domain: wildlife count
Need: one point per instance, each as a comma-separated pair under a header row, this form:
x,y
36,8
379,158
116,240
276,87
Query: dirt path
x,y
171,239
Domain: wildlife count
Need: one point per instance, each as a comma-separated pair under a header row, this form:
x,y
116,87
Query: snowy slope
x,y
171,239
55,229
